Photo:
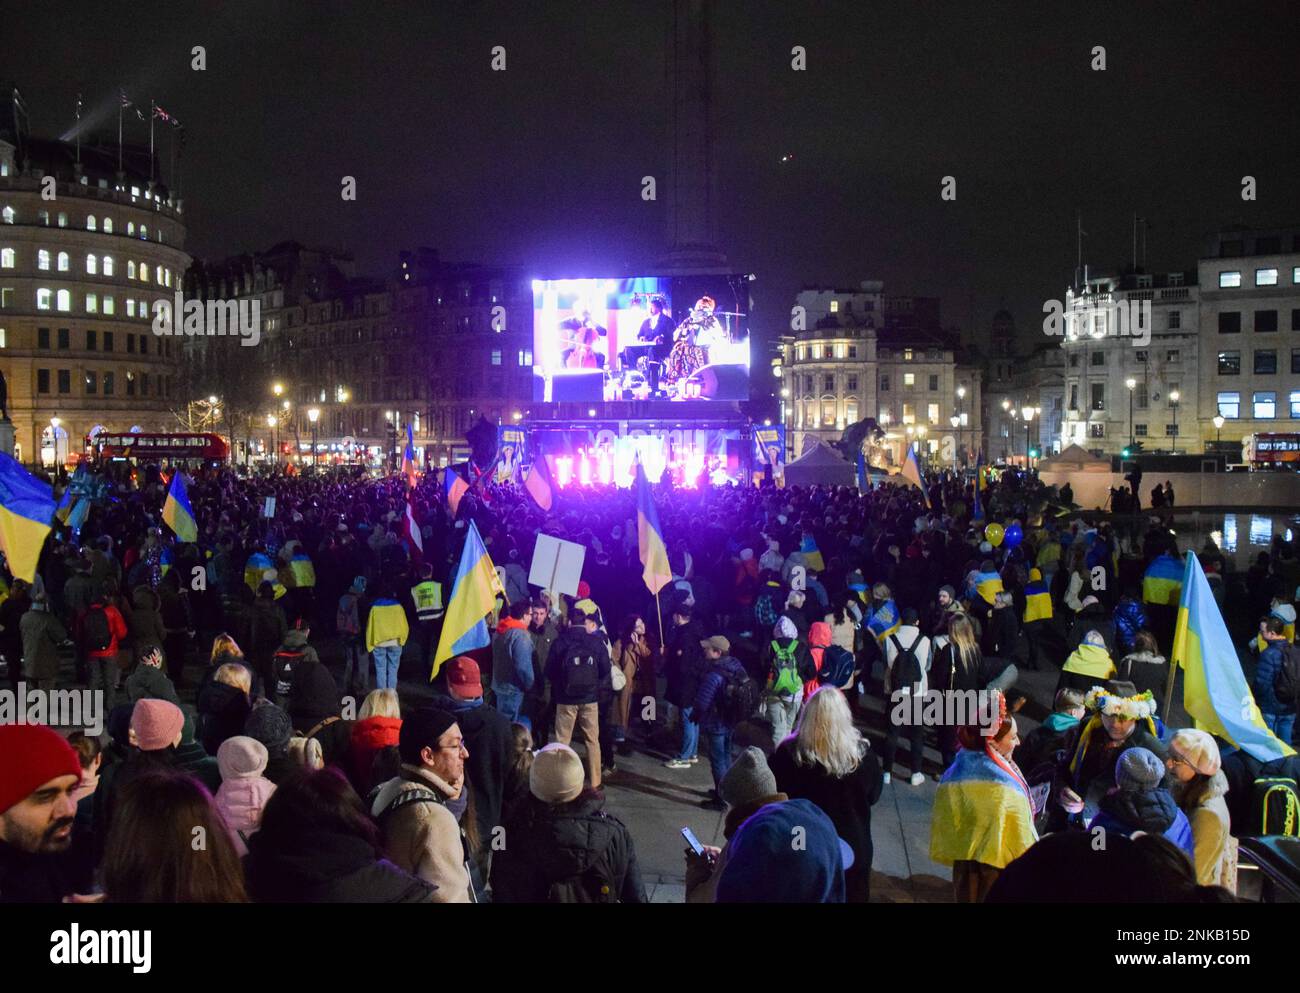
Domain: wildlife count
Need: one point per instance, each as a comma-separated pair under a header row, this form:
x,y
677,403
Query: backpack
x,y
579,675
95,631
837,666
1276,799
282,664
1286,684
787,680
739,698
765,611
907,670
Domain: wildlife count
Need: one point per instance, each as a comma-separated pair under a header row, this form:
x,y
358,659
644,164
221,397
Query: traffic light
x,y
1033,453
1126,453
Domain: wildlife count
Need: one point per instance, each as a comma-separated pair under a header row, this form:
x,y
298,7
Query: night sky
x,y
541,165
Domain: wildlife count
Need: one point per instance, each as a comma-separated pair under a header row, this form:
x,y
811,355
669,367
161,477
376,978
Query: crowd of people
x,y
237,678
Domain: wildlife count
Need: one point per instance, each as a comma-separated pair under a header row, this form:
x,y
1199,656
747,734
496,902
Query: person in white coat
x,y
906,695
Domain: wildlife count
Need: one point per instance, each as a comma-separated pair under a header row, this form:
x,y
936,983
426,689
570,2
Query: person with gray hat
x,y
748,786
1139,803
562,846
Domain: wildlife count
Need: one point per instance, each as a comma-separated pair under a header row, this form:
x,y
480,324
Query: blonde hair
x,y
234,674
880,591
380,703
825,735
223,644
306,753
962,635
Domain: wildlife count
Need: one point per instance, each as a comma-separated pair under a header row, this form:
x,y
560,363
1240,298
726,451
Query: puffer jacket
x,y
1145,671
1153,811
712,688
1129,620
369,736
1270,661
318,866
424,837
241,802
222,712
576,840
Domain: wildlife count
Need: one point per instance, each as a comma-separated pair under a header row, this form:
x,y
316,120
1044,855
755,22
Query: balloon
x,y
1014,536
994,533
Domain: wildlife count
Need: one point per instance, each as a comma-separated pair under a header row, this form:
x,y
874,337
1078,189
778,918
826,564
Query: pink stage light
x,y
563,470
605,467
584,468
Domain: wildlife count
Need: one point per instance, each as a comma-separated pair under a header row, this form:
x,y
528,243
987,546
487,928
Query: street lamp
x,y
1173,402
1131,383
277,389
313,415
271,422
1028,413
1218,429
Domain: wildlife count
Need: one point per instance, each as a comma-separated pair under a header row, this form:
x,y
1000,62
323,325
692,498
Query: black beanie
x,y
420,729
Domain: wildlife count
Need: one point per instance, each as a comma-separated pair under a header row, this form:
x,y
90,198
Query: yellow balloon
x,y
994,533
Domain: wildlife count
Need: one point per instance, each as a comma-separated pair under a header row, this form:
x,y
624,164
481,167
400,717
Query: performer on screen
x,y
689,352
579,336
657,328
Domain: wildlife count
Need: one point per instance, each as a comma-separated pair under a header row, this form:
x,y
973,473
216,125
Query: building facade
x,y
82,261
1250,327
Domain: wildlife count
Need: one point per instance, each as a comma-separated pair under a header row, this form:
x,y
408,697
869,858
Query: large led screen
x,y
673,338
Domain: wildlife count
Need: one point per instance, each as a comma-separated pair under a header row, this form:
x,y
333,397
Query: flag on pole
x,y
411,532
812,555
650,536
1215,691
538,482
408,457
26,507
864,481
978,514
453,488
473,595
177,511
912,472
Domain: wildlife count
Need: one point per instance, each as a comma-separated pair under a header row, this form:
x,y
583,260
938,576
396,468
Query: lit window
x,y
43,298
92,303
130,307
144,232
44,217
43,259
108,225
1295,401
1229,405
7,215
6,258
108,265
63,300
907,355
65,263
835,306
1265,406
92,265
63,219
90,222
909,379
932,413
130,229
4,340
108,305
144,272
130,269
1229,279
496,356
1265,277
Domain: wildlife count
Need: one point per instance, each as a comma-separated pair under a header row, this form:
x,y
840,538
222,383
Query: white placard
x,y
557,564
268,508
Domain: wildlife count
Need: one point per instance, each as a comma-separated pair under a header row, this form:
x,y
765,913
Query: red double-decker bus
x,y
144,446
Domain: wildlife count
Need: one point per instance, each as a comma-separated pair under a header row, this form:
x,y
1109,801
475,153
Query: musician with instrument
x,y
579,336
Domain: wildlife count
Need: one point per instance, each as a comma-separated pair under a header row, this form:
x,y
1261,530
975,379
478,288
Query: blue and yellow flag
x,y
812,555
538,482
982,812
473,596
1163,581
255,568
884,621
912,472
26,509
1215,691
650,536
1038,599
988,585
453,487
408,457
177,511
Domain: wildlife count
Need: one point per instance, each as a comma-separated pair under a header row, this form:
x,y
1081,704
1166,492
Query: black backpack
x,y
1276,802
95,632
738,699
907,671
580,675
1286,684
282,671
837,666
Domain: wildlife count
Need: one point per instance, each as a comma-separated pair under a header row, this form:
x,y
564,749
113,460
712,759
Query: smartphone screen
x,y
693,841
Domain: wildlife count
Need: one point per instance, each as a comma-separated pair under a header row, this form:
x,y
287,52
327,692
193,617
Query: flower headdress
x,y
1133,708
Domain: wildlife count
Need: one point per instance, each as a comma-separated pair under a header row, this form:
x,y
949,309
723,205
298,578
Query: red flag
x,y
411,532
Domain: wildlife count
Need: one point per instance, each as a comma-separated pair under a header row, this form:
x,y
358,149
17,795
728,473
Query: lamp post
x,y
1006,409
1131,383
271,422
313,415
54,439
1218,429
1173,402
961,395
1028,413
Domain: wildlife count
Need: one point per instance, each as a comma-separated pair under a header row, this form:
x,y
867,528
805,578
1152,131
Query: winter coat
x,y
268,628
424,838
574,640
149,682
1145,671
312,865
222,712
1129,620
146,621
1152,811
847,801
1091,618
712,686
683,660
490,742
42,634
1043,742
116,631
561,842
512,656
28,878
1270,662
1213,847
369,736
908,636
241,801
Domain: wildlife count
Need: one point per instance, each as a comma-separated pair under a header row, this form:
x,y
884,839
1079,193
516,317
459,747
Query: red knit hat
x,y
30,756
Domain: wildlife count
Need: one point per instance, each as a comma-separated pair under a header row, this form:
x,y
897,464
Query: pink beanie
x,y
156,723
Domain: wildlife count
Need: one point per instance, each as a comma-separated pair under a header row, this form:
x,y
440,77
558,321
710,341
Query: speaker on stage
x,y
577,384
723,382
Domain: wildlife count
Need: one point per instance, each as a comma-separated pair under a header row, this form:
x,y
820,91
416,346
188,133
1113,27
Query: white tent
x,y
821,465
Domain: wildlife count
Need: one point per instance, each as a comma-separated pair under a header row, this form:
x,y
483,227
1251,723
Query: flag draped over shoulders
x,y
982,813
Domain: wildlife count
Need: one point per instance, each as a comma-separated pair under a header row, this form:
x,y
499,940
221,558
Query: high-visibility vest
x,y
428,600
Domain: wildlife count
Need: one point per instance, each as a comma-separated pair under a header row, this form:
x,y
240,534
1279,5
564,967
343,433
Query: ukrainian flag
x,y
453,487
302,574
1038,600
884,621
987,584
650,537
982,813
1215,691
26,509
1163,581
80,510
177,511
473,597
408,458
256,565
538,482
912,472
812,555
